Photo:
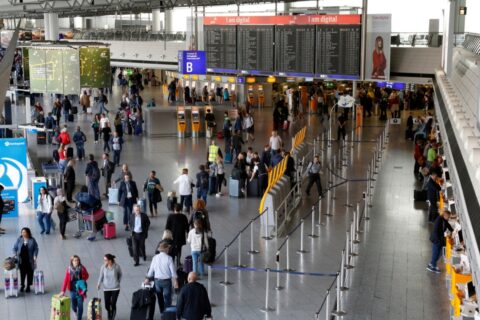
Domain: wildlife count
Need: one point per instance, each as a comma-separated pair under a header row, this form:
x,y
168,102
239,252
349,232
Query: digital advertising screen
x,y
95,69
37,70
54,70
71,75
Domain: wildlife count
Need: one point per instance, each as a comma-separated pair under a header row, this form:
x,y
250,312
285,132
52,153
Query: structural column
x,y
449,23
168,24
156,20
51,26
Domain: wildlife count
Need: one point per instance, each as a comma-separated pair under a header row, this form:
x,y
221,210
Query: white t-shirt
x,y
103,122
195,240
184,185
275,142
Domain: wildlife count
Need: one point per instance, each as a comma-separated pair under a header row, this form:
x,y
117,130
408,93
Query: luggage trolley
x,y
88,214
54,175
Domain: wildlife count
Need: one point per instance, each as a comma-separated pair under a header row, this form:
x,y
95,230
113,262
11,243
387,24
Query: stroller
x,y
90,215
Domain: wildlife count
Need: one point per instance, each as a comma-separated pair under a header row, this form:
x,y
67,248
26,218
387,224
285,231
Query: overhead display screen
x,y
37,70
338,51
71,76
54,70
255,49
95,69
295,50
221,48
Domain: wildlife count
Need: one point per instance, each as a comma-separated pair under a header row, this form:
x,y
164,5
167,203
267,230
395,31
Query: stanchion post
x,y
365,204
320,223
327,306
302,236
342,272
266,236
339,312
278,287
267,308
225,281
312,232
329,212
352,242
287,252
356,215
347,252
252,250
359,219
239,264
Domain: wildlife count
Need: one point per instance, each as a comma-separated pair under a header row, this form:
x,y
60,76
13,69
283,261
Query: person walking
x,y
236,145
248,125
127,197
108,168
57,111
44,210
79,139
198,243
313,170
437,238
153,188
67,107
110,278
85,101
92,173
69,179
96,127
213,152
62,157
433,195
220,175
106,135
122,174
117,125
139,224
75,281
25,250
341,130
275,143
177,223
202,183
61,206
163,273
185,184
117,144
193,302
102,102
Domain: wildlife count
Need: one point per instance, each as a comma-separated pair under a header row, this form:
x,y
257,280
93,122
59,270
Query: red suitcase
x,y
109,230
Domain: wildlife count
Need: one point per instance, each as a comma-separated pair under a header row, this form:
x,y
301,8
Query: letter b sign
x,y
189,67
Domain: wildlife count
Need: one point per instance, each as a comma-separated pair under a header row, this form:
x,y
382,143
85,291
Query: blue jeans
x,y
197,263
80,151
48,221
186,201
436,253
202,194
116,157
127,211
163,287
102,107
77,304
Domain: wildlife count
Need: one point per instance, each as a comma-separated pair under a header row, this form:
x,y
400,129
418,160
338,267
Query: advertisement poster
x,y
38,77
54,70
377,57
6,37
13,173
95,69
71,76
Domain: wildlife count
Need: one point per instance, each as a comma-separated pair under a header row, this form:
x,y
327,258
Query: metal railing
x,y
416,39
471,42
128,35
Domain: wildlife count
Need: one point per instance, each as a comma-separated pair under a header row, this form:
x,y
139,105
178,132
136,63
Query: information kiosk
x,y
196,122
181,122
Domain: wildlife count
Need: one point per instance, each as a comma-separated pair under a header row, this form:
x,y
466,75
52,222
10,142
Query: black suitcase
x,y
41,137
71,118
212,248
253,188
170,313
420,195
74,110
143,304
69,152
171,202
212,185
130,246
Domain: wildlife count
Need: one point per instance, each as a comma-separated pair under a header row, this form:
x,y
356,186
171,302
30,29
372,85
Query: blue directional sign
x,y
192,62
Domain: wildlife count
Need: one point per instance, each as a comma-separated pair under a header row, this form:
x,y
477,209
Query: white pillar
x,y
46,25
78,22
156,20
448,38
51,26
168,20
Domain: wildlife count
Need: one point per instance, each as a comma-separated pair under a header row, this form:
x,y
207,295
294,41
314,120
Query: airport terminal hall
x,y
239,160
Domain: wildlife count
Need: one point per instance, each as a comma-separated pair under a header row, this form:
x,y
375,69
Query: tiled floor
x,y
389,282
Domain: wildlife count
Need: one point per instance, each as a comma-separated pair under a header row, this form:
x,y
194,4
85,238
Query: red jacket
x,y
64,138
67,280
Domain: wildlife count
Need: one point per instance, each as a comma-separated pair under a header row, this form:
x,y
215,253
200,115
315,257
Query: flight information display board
x,y
295,50
255,49
221,48
338,51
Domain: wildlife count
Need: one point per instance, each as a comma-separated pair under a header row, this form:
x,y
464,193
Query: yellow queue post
x,y
181,122
195,122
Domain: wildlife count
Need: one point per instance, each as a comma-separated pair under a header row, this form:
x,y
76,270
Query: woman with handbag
x,y
198,244
75,281
25,251
153,188
44,210
60,204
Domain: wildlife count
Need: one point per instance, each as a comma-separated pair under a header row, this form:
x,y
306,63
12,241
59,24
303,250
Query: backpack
x,y
200,215
95,174
204,181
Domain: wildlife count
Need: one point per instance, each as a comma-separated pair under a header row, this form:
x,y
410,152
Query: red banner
x,y
325,19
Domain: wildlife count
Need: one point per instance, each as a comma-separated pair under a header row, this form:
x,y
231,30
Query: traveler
x,y
92,172
200,213
118,125
220,175
106,135
61,206
211,124
69,179
167,238
139,224
127,197
313,170
202,183
117,143
96,127
103,122
57,110
226,95
2,205
433,190
290,167
25,250
237,142
275,142
102,102
44,210
107,171
67,107
153,188
185,184
432,153
249,127
227,131
163,272
85,101
437,238
177,223
62,157
75,281
213,152
64,137
266,156
79,139
193,302
198,242
110,278
125,171
342,123
260,172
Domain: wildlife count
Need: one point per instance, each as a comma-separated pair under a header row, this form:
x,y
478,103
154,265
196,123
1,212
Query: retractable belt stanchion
x,y
354,227
252,250
302,225
267,308
342,272
347,252
352,243
225,281
365,204
312,232
359,219
266,236
239,264
287,252
278,287
327,306
329,212
320,223
339,312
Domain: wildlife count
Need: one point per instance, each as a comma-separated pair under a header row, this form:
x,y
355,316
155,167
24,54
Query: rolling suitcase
x,y
420,195
74,110
71,118
11,283
41,138
188,264
94,310
212,185
228,157
39,282
170,313
234,189
109,230
143,304
113,196
60,308
253,189
182,278
130,246
69,152
142,203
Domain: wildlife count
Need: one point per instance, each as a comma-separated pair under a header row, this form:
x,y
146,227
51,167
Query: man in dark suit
x,y
177,223
107,171
127,197
193,302
139,224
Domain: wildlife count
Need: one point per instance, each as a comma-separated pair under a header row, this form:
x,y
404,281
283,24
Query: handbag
x,y
205,254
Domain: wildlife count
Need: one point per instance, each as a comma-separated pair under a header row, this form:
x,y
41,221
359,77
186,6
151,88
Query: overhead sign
x,y
285,20
192,62
13,172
